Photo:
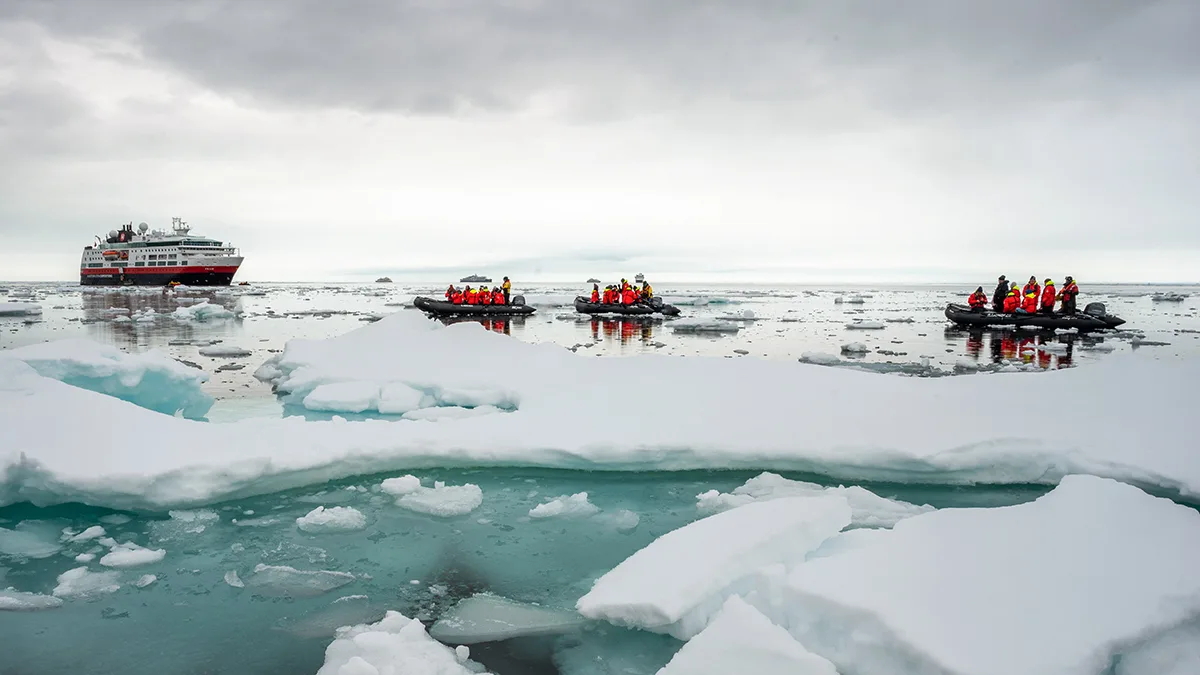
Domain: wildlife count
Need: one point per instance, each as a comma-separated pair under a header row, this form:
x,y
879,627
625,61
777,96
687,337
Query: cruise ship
x,y
157,258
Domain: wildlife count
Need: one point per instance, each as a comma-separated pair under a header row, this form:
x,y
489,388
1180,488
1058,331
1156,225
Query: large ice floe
x,y
1095,577
539,406
149,379
396,645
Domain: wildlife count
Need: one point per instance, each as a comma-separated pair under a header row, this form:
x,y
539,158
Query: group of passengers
x,y
624,293
498,295
1008,299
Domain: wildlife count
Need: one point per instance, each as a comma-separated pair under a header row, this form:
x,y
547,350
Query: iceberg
x,y
149,379
925,431
485,617
741,640
1065,584
868,508
202,311
394,645
680,580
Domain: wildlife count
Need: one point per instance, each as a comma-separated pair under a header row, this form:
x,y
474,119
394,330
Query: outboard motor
x,y
1095,309
517,301
656,302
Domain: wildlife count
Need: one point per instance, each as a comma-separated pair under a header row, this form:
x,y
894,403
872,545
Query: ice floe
x,y
925,431
202,311
485,617
680,580
228,351
741,640
33,539
131,555
566,506
440,500
20,309
1064,585
336,519
149,379
284,580
93,532
81,582
12,600
704,325
394,645
868,508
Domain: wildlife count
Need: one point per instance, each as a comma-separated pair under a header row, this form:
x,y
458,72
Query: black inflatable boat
x,y
516,306
655,306
1093,317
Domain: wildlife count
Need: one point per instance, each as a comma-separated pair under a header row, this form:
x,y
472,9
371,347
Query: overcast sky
x,y
787,140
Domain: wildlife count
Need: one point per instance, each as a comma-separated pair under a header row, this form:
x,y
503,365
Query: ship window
x,y
183,262
139,264
93,264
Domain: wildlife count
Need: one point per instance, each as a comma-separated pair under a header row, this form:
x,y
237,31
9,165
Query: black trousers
x,y
506,296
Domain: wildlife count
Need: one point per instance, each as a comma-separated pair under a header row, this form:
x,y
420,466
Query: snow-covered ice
x,y
81,582
855,348
149,379
868,508
335,519
920,430
566,506
12,600
680,580
20,309
866,325
485,617
1061,585
441,499
741,640
131,555
93,532
396,645
202,311
229,351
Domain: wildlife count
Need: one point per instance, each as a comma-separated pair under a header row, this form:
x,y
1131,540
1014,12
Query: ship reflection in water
x,y
1045,349
144,317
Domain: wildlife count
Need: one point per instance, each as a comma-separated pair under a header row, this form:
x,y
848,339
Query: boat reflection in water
x,y
109,314
499,324
625,330
1046,349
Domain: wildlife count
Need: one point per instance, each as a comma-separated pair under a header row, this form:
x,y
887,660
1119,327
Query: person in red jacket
x,y
457,298
610,295
1048,295
497,296
978,300
485,296
450,293
627,295
1012,301
470,296
595,293
1067,295
1031,292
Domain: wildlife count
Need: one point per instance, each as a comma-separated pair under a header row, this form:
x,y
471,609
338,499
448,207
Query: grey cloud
x,y
625,57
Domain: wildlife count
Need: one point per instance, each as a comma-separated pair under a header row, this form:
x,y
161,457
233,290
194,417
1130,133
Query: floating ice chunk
x,y
855,348
573,506
346,397
85,557
183,524
869,509
741,640
401,486
80,582
1059,585
703,325
148,379
224,350
445,413
131,555
866,325
30,539
397,398
12,600
820,359
202,311
93,532
145,580
20,309
443,500
624,520
337,519
664,588
232,578
287,581
488,618
394,645
744,315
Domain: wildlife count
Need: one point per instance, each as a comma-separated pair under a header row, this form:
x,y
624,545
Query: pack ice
x,y
149,379
1093,574
800,418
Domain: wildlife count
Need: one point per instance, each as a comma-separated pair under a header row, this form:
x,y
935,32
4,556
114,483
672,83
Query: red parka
x,y
1011,302
1048,296
977,299
497,297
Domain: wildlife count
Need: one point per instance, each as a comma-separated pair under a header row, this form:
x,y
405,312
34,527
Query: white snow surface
x,y
202,311
395,645
150,379
336,519
81,582
1061,585
442,500
93,532
922,430
741,640
485,617
566,506
20,309
868,508
681,579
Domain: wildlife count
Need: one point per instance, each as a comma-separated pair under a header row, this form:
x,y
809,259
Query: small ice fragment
x,y
231,578
337,519
93,532
80,582
855,348
576,505
443,500
145,580
132,555
283,580
462,653
485,617
12,600
85,557
401,486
